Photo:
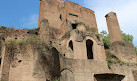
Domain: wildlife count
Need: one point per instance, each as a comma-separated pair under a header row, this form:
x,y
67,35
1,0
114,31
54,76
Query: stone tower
x,y
123,50
113,27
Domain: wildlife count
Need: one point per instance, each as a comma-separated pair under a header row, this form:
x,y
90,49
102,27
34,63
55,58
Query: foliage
x,y
9,28
30,40
112,59
56,79
93,30
126,37
106,39
97,35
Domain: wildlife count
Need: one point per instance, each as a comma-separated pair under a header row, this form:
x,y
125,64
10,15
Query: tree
x,y
106,39
126,37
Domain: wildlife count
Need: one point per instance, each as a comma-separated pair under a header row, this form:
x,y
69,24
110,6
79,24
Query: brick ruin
x,y
66,46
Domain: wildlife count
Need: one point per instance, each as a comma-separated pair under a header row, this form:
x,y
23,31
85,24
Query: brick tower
x,y
113,27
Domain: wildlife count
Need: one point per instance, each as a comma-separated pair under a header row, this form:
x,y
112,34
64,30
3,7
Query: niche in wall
x,y
89,45
71,45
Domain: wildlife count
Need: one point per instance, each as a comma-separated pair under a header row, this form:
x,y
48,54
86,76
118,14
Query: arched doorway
x,y
89,45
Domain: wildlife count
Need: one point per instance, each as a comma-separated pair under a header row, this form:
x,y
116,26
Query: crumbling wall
x,y
21,66
82,69
124,51
123,70
135,75
16,63
46,64
61,13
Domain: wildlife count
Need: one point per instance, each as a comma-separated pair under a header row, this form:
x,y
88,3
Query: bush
x,y
93,30
30,40
126,37
112,59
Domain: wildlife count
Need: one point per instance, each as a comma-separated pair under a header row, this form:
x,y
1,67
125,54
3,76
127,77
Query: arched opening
x,y
71,45
89,45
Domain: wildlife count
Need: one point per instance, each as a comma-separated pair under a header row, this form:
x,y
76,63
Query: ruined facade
x,y
66,47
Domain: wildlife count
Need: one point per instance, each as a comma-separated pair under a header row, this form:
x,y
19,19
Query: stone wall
x,y
60,13
124,51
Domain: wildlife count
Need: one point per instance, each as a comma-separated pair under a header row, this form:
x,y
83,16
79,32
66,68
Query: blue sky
x,y
24,13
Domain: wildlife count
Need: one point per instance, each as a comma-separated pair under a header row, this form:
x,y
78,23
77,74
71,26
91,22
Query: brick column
x,y
113,27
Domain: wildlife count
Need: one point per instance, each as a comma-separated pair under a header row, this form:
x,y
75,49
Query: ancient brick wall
x,y
61,13
124,51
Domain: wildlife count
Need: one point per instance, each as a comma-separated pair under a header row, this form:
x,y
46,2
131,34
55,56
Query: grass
x,y
93,30
56,79
112,59
30,40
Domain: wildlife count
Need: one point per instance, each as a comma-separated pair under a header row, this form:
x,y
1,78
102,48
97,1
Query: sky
x,y
24,13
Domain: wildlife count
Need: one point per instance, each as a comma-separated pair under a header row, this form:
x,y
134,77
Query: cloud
x,y
30,21
125,9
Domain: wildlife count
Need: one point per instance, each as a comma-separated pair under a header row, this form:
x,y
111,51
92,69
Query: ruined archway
x,y
89,45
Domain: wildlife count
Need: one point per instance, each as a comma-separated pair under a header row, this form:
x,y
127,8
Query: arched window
x,y
71,45
89,45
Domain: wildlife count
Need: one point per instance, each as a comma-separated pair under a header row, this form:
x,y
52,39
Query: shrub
x,y
112,59
30,40
93,30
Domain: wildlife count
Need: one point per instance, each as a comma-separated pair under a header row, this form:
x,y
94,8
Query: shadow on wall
x,y
108,77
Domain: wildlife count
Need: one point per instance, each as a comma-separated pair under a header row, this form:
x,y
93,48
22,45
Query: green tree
x,y
126,37
106,39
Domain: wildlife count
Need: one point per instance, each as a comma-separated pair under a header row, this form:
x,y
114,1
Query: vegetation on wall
x,y
30,40
93,30
126,37
112,59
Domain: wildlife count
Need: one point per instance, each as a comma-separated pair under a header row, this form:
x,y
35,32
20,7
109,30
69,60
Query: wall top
x,y
111,13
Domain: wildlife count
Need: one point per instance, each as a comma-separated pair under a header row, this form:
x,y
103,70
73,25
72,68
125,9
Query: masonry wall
x,y
17,63
81,70
124,51
60,13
